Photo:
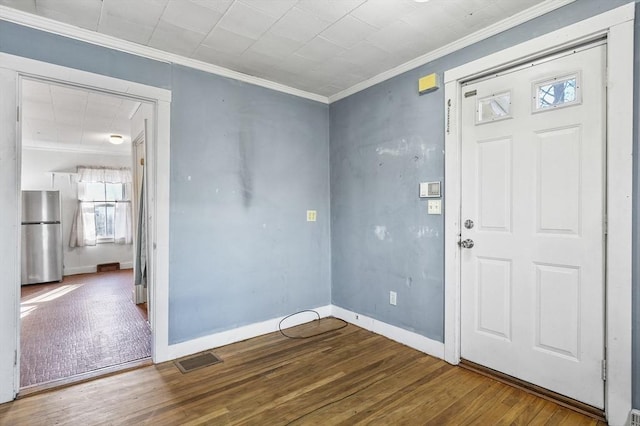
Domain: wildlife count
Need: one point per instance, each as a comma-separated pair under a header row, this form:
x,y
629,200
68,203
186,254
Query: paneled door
x,y
533,223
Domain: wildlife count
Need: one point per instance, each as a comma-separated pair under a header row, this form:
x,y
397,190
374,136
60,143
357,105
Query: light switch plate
x,y
311,215
434,207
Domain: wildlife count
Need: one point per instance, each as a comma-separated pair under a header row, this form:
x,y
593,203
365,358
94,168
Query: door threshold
x,y
83,377
538,391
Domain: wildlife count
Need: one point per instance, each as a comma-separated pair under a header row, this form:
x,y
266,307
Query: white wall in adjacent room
x,y
37,168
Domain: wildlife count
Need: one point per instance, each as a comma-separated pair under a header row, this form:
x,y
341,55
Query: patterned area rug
x,y
85,323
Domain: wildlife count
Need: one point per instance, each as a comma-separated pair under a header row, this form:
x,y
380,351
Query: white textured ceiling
x,y
61,116
319,46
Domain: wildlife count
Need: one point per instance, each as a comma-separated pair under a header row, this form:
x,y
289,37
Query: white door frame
x,y
157,198
617,26
10,230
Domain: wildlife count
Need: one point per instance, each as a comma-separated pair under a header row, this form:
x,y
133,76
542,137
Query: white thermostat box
x,y
429,189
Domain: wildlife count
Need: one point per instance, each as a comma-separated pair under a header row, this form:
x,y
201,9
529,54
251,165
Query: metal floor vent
x,y
195,362
635,418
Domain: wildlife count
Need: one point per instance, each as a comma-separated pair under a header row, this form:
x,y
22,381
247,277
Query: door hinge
x,y
606,226
15,357
604,370
18,113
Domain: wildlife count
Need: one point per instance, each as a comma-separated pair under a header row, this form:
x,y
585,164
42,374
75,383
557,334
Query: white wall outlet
x,y
434,207
393,298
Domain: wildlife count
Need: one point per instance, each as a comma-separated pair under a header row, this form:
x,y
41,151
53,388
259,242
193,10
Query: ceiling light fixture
x,y
116,139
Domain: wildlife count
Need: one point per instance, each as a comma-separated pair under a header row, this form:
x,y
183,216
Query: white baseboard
x,y
90,269
79,270
408,338
400,335
239,334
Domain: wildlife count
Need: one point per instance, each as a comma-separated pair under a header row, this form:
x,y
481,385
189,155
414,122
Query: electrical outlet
x,y
393,298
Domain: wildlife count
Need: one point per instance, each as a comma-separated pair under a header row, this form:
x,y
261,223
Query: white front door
x,y
533,206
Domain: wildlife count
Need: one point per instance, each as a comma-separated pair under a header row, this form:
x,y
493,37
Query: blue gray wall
x,y
246,164
42,46
384,141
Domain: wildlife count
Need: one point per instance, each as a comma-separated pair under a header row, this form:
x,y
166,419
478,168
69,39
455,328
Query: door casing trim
x,y
158,171
617,26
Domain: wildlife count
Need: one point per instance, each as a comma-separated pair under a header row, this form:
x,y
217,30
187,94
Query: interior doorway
x,y
158,150
77,145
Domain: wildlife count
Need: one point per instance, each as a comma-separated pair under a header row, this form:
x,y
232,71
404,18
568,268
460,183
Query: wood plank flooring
x,y
344,377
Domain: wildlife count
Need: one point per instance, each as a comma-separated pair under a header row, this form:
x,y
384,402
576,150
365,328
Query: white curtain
x,y
122,226
104,175
83,229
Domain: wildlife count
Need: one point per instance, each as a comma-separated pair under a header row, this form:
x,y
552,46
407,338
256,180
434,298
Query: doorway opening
x,y
90,314
532,277
14,68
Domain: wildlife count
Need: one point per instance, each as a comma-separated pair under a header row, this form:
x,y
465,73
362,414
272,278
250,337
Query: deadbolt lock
x,y
468,224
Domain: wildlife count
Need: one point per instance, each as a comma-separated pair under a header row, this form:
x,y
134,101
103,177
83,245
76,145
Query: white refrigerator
x,y
41,237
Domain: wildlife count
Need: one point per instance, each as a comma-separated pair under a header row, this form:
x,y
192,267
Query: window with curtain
x,y
104,207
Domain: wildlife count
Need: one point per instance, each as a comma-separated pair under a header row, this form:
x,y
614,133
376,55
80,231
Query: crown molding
x,y
55,27
514,20
93,37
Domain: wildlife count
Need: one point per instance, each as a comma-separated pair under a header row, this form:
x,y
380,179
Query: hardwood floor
x,y
345,377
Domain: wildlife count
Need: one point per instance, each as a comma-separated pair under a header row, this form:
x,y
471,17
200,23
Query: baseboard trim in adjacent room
x,y
400,335
239,334
80,270
92,269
